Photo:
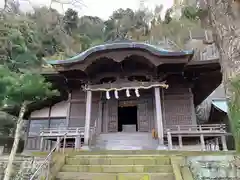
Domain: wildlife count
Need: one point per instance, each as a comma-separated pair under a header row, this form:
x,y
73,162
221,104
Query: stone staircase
x,y
126,141
117,167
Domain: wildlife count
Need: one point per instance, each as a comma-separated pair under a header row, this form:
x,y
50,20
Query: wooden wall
x,y
178,107
54,117
78,108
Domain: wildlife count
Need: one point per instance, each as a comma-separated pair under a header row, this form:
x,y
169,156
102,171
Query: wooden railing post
x,y
169,137
41,144
202,142
64,143
58,144
180,141
179,138
224,144
202,139
217,144
76,143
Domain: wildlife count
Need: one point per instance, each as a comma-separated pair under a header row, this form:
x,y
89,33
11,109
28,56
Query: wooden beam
x,y
124,85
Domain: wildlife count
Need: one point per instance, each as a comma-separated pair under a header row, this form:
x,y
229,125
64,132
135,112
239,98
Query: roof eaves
x,y
114,46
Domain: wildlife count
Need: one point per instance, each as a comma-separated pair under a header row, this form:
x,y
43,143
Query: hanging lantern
x,y
116,94
137,92
107,95
128,93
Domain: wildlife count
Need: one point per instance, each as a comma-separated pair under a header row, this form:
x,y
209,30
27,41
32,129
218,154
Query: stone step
x,y
126,141
118,168
130,153
118,160
114,176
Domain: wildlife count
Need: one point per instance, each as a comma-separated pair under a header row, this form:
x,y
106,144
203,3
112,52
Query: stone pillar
x,y
159,117
87,119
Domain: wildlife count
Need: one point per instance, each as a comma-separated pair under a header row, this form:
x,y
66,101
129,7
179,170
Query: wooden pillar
x,y
87,118
169,137
76,143
159,115
217,144
41,144
45,146
49,117
99,119
68,108
27,134
224,144
58,144
49,146
180,141
64,143
202,142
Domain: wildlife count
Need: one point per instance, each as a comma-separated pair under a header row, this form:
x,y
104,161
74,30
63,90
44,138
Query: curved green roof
x,y
121,45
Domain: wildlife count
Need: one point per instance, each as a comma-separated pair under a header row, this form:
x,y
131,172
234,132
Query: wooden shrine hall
x,y
127,95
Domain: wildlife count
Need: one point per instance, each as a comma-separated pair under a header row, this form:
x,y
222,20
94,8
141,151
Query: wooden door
x,y
112,114
150,113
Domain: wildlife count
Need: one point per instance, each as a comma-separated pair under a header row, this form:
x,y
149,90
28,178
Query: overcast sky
x,y
101,8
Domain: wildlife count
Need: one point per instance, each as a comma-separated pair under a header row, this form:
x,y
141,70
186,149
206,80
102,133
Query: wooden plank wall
x,y
78,108
178,107
76,118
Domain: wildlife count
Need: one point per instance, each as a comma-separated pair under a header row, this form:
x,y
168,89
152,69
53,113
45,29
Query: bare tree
x,y
74,3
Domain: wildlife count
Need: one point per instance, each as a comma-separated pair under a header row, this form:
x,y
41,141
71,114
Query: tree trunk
x,y
20,122
5,4
225,24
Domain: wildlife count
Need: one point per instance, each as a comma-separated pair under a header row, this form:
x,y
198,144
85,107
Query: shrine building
x,y
127,95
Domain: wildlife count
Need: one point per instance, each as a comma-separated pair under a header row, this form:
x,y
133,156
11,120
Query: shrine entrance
x,y
127,119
